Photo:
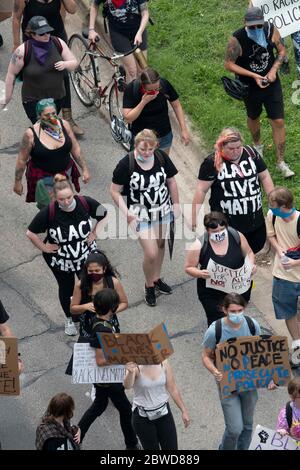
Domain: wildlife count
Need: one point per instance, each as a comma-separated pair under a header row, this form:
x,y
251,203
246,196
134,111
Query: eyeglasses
x,y
256,26
215,223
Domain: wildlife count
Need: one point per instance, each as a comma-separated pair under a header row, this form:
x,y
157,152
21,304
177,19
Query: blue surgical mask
x,y
140,158
236,318
284,215
258,36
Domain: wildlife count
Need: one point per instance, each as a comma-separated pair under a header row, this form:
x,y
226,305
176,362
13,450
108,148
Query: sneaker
x,y
294,358
70,328
260,149
150,297
135,447
162,287
285,170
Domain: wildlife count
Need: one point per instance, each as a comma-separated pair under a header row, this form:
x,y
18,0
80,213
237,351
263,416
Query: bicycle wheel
x,y
84,78
115,105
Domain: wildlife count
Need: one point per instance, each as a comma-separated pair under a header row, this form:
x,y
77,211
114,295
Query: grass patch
x,y
187,46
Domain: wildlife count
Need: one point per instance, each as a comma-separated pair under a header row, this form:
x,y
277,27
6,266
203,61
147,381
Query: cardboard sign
x,y
227,279
86,370
9,370
250,362
284,14
149,348
267,439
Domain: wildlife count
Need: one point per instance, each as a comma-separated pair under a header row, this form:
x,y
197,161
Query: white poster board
x,y
285,15
267,439
227,279
86,371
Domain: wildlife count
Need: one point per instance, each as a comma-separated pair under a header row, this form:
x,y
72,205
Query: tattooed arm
x,y
15,66
77,154
234,51
17,14
23,157
279,44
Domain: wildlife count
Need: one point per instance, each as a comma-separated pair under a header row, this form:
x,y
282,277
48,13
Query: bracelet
x,y
91,29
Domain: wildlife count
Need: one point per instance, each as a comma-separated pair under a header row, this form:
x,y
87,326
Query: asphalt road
x,y
29,292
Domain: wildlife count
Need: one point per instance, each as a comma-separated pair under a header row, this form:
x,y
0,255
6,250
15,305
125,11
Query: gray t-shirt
x,y
209,340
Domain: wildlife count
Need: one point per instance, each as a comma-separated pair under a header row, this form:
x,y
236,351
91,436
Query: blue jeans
x,y
238,410
296,44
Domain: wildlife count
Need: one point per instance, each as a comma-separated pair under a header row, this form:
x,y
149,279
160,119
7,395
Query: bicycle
x,y
86,81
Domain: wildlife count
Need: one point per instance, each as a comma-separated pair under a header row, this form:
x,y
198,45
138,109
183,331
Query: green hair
x,y
45,103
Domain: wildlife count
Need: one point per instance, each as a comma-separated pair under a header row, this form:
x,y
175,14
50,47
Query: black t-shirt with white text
x,y
126,18
236,189
155,114
147,191
70,231
3,314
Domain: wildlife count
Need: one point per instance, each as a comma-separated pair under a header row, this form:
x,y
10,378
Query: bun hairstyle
x,y
146,135
61,182
228,134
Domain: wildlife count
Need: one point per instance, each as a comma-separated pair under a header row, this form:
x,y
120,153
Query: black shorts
x,y
257,238
272,99
122,43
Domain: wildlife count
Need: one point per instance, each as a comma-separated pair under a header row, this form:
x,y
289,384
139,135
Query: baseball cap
x,y
254,16
39,25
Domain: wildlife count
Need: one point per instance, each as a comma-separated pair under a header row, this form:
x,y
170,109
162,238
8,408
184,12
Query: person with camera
x,y
152,417
250,56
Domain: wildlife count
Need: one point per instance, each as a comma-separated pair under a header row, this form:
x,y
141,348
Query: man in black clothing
x,y
106,303
250,55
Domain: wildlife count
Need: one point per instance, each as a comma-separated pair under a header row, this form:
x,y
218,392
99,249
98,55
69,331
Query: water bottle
x,y
140,58
285,259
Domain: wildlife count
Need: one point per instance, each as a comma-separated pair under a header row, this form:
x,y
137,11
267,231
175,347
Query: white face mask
x,y
69,208
219,236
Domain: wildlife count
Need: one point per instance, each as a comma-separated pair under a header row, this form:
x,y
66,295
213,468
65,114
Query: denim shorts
x,y
144,225
285,298
165,141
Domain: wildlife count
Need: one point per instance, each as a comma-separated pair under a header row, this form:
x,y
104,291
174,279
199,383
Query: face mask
x,y
258,36
70,207
140,158
278,213
219,236
96,277
236,318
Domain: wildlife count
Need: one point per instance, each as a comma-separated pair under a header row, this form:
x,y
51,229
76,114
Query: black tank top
x,y
52,161
255,58
50,11
233,259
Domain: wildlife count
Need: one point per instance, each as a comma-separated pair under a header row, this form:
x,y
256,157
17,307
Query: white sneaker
x,y
70,328
294,357
285,170
260,149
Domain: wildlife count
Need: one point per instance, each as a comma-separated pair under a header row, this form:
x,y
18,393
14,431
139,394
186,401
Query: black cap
x,y
254,16
39,25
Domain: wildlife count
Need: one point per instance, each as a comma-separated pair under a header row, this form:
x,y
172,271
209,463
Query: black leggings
x,y
157,434
66,283
119,399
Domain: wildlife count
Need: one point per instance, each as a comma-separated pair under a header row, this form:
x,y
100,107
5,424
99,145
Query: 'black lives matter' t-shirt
x,y
3,314
155,114
70,231
236,189
147,191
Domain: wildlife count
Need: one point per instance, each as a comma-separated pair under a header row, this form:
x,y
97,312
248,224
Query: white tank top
x,y
150,393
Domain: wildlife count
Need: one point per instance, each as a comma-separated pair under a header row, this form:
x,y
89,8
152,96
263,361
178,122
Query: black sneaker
x,y
150,297
162,287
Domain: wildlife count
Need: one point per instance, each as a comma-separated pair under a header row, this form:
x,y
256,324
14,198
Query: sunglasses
x,y
215,223
257,26
42,34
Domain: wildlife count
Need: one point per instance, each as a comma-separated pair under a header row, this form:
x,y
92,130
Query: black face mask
x,y
95,277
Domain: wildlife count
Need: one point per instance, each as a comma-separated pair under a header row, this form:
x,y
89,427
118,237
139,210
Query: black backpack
x,y
204,242
289,414
249,321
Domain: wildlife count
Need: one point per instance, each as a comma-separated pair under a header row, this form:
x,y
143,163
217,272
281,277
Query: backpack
x,y
289,414
204,242
27,54
249,321
80,198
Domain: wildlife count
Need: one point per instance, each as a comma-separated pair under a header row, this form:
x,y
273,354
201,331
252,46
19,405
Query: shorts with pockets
x,y
271,98
285,298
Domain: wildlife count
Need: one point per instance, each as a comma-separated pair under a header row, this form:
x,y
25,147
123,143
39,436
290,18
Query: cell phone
x,y
265,82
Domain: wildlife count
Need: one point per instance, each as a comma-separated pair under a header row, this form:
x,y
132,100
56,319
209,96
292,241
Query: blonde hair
x,y
228,134
146,135
61,182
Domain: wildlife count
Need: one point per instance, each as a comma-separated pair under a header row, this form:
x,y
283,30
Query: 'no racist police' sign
x,y
284,14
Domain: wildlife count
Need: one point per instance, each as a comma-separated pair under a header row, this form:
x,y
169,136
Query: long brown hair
x,y
61,404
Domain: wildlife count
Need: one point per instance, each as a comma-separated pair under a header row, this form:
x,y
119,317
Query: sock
x,y
296,343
